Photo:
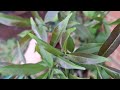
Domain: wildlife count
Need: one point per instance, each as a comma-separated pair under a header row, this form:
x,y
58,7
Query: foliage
x,y
84,45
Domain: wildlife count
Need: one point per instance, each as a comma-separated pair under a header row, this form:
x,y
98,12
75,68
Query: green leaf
x,y
22,57
24,39
42,30
95,28
72,24
70,44
66,41
35,28
60,73
51,16
39,30
99,75
89,48
4,63
25,69
46,46
58,31
115,22
36,15
51,74
111,43
47,57
97,15
88,66
89,14
114,73
43,76
83,58
10,20
68,64
101,37
24,33
84,33
106,28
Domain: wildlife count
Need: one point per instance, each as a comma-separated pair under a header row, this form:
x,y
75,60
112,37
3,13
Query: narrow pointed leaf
x,y
60,73
22,57
47,57
66,41
83,58
36,15
24,33
70,44
43,76
58,31
89,48
46,46
35,28
10,20
25,69
99,75
115,22
42,29
114,73
111,43
51,16
68,64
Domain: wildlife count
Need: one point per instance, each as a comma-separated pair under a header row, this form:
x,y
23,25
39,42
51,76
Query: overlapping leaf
x,y
114,73
89,48
68,64
66,40
83,58
58,31
46,46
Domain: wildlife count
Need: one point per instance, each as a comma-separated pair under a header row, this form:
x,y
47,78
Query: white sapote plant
x,y
63,45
